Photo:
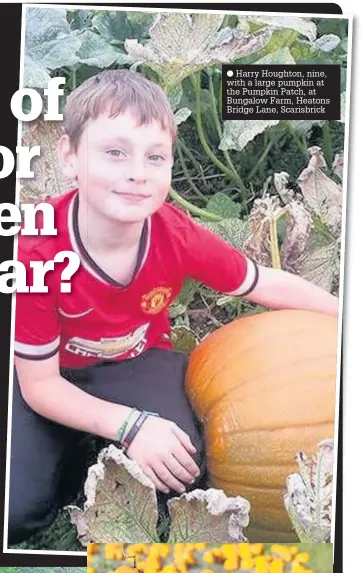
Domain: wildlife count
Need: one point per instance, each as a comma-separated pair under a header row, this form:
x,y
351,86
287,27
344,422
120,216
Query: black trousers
x,y
153,381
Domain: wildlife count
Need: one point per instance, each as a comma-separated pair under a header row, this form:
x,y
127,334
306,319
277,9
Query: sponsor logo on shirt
x,y
156,300
77,315
108,348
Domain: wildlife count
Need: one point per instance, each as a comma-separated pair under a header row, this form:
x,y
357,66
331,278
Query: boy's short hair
x,y
117,91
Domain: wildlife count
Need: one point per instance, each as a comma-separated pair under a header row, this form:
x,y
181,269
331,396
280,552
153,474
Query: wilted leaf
x,y
338,165
308,500
49,44
121,502
303,26
208,516
281,181
279,57
182,115
182,43
48,179
258,243
96,51
319,264
327,43
343,107
299,223
238,133
234,231
321,193
223,205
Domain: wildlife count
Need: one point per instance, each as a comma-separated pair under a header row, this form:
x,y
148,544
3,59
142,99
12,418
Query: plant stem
x,y
204,143
189,154
302,145
74,78
187,173
327,144
194,210
275,255
218,126
274,247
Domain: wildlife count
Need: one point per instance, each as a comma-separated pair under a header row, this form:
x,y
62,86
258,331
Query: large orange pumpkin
x,y
264,385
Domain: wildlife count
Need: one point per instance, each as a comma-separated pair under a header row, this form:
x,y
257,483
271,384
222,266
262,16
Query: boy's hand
x,y
164,451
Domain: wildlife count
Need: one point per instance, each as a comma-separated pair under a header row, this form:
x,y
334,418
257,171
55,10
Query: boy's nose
x,y
137,172
136,179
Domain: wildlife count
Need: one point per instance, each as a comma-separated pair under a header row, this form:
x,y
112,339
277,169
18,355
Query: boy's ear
x,y
67,158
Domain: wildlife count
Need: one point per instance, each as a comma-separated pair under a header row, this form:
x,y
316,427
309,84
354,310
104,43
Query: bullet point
x,y
229,73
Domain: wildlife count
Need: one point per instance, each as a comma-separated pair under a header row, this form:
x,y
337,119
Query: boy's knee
x,y
25,520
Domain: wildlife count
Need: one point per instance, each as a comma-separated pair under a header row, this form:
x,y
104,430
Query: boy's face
x,y
123,169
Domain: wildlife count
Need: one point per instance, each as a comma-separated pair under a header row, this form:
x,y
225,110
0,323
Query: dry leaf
x,y
299,223
48,180
257,246
181,44
321,193
121,502
308,500
208,516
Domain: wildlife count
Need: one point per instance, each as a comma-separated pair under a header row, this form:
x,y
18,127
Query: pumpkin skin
x,y
264,386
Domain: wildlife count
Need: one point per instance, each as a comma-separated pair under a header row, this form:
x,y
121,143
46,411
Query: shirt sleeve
x,y
37,331
216,263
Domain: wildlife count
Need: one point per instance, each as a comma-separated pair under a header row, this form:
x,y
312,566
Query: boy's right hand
x,y
163,451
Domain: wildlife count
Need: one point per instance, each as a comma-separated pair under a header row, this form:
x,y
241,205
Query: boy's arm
x,y
214,262
278,289
52,396
161,448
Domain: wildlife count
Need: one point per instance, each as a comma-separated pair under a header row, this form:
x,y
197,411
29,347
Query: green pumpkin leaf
x,y
96,51
114,27
303,26
49,44
279,57
234,231
327,43
182,115
237,134
223,205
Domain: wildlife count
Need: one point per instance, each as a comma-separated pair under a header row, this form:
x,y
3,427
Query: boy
x,y
99,359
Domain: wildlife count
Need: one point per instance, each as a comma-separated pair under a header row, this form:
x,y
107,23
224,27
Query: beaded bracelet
x,y
122,429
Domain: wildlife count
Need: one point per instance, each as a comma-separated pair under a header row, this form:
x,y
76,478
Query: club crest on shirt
x,y
156,300
109,347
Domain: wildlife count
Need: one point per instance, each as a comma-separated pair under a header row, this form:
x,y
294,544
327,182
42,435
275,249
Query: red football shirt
x,y
103,320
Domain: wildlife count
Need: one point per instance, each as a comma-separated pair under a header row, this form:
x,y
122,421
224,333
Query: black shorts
x,y
153,381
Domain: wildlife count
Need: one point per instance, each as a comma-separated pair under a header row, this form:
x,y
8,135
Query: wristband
x,y
136,428
134,431
122,429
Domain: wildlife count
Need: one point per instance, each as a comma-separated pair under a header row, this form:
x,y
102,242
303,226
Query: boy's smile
x,y
123,169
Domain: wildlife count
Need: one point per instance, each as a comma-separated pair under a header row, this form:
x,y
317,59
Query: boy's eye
x,y
115,153
156,158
